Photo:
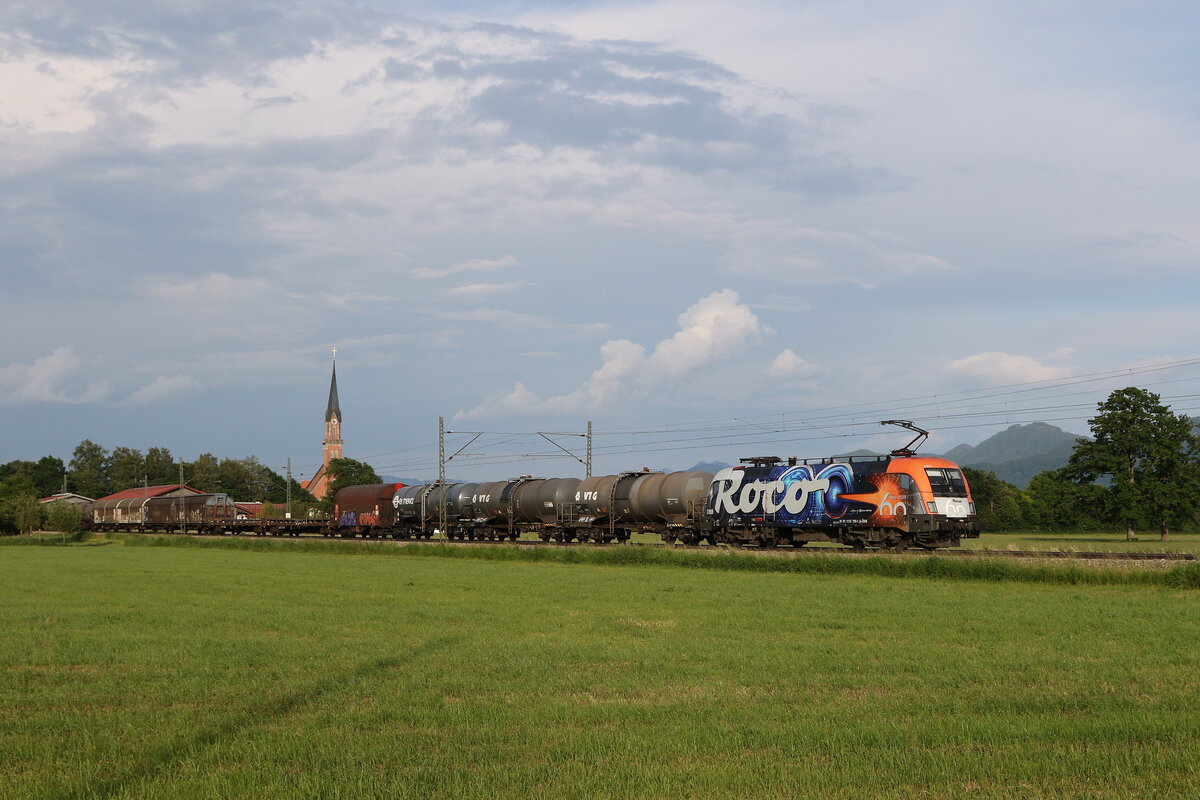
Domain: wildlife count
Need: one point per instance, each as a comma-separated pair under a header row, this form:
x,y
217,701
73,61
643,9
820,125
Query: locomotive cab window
x,y
946,482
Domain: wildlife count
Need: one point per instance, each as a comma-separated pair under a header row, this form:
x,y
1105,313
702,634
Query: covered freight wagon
x,y
366,510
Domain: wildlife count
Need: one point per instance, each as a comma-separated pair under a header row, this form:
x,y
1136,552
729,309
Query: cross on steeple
x,y
334,351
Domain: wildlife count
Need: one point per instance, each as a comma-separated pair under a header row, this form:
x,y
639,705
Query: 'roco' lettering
x,y
733,497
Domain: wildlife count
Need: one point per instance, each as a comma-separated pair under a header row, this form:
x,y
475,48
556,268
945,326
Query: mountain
x,y
708,466
1018,453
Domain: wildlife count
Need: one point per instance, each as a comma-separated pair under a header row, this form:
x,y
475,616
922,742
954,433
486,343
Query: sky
x,y
712,229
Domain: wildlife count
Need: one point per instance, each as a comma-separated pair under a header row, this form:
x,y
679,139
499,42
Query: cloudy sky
x,y
714,229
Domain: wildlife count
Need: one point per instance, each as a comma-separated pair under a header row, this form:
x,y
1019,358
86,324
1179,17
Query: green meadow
x,y
330,672
1089,541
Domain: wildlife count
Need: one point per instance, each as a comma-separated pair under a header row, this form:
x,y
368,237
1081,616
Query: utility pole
x,y
182,526
288,514
442,474
589,450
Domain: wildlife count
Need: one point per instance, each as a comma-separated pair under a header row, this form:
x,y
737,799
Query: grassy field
x,y
1086,541
145,672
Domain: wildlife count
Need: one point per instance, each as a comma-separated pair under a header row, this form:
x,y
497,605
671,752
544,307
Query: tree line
x,y
1140,471
95,472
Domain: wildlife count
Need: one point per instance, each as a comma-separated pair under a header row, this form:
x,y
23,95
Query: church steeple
x,y
319,483
333,418
333,409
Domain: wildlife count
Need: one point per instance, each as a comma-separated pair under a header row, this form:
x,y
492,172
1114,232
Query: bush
x,y
63,517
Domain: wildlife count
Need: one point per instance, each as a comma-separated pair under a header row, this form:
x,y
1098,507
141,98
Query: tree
x,y
1055,502
998,503
127,468
245,478
47,475
161,469
1172,489
345,472
63,517
26,512
89,469
1147,454
205,473
16,477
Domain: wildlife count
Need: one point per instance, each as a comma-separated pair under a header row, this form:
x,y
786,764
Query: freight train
x,y
888,502
876,501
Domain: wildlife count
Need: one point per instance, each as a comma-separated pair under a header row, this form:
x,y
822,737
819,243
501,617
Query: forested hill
x,y
1020,452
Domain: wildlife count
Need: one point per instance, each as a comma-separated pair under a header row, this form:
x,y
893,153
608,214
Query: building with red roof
x,y
145,492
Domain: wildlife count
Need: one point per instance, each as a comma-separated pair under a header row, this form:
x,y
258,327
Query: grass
x,y
1182,576
147,672
1098,541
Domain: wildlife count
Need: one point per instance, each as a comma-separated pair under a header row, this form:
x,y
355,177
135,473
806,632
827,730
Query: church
x,y
318,484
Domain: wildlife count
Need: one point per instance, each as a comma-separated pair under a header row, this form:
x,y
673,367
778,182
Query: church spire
x,y
333,410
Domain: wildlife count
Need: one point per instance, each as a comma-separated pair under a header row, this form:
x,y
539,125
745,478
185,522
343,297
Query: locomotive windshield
x,y
946,482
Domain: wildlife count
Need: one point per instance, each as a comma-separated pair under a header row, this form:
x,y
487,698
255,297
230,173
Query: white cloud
x,y
1005,368
43,380
713,330
482,289
516,320
472,265
791,254
355,301
162,388
789,365
216,285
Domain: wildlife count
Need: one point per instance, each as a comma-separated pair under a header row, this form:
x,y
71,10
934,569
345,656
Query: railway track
x,y
777,551
960,553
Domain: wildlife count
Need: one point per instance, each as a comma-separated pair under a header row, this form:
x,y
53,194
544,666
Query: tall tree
x,y
89,472
48,475
345,472
1055,502
161,469
205,473
1145,452
127,468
